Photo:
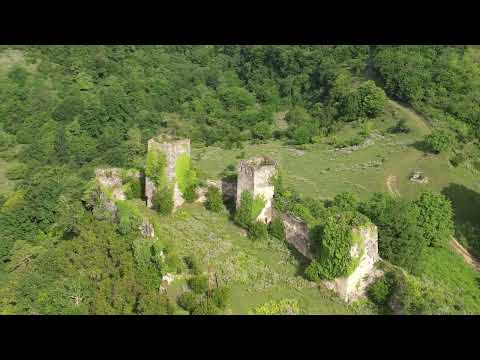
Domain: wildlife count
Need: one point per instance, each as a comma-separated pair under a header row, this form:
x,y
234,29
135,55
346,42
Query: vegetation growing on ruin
x,y
336,240
155,168
129,218
249,209
163,200
214,200
186,177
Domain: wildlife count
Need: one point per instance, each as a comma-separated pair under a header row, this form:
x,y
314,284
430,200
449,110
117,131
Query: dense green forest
x,y
66,110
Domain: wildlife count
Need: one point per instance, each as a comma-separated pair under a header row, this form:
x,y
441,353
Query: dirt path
x,y
469,259
392,185
421,122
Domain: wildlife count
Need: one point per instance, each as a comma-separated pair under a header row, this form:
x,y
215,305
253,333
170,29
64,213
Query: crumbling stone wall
x,y
111,179
254,175
227,188
354,286
172,148
296,233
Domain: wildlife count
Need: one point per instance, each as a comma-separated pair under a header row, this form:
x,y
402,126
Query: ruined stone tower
x,y
255,175
353,286
172,149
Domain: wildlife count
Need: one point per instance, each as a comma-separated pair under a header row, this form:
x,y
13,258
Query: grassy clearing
x,y
445,268
322,171
257,272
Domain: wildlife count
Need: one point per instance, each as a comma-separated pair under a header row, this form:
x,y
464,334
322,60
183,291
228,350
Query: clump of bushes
x,y
214,199
249,209
220,297
201,301
193,264
277,229
258,231
381,290
186,177
188,300
129,218
198,284
458,159
336,240
400,127
440,140
206,307
163,201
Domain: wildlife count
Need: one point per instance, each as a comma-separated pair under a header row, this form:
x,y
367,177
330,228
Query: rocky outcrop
x,y
255,175
147,229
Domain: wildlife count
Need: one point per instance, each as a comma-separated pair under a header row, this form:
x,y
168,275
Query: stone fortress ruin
x,y
172,149
355,285
254,175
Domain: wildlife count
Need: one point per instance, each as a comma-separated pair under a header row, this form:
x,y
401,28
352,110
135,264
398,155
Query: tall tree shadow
x,y
466,205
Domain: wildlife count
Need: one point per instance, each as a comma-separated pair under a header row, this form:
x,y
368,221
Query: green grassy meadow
x,y
256,272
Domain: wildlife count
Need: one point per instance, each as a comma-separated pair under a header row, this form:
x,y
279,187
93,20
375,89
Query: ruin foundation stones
x,y
172,149
255,175
111,185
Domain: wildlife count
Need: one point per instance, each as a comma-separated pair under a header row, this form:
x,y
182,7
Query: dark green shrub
x,y
440,140
193,264
249,209
173,263
188,300
198,284
458,159
313,271
400,127
163,201
133,189
436,218
337,238
190,194
186,177
206,307
380,291
220,297
258,231
129,218
346,201
277,229
214,199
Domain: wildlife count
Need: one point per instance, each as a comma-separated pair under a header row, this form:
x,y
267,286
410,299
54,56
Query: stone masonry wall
x,y
296,233
354,286
172,149
255,175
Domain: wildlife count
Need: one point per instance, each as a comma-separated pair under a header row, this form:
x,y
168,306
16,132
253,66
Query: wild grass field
x,y
256,272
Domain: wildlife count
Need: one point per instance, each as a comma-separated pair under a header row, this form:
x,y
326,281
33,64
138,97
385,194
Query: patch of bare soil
x,y
392,185
469,259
